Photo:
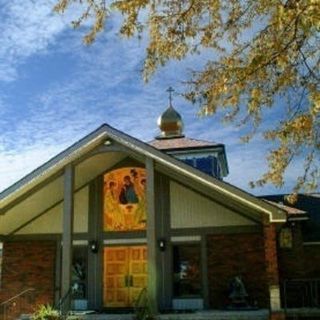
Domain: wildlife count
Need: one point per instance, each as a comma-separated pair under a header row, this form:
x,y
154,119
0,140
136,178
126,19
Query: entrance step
x,y
201,315
218,315
102,317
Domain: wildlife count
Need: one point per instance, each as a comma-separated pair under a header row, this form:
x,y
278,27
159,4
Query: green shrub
x,y
46,312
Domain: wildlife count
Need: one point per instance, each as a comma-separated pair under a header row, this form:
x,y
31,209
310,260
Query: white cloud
x,y
15,164
27,28
103,85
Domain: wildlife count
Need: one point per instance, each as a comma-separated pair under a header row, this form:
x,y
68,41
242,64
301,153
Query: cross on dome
x,y
170,122
170,90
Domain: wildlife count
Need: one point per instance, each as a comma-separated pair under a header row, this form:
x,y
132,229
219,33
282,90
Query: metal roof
x,y
182,143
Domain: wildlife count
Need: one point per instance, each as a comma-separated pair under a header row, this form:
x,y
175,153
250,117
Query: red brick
x,y
233,254
28,264
312,261
301,261
271,255
292,260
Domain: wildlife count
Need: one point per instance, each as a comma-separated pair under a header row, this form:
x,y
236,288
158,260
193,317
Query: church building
x,y
112,217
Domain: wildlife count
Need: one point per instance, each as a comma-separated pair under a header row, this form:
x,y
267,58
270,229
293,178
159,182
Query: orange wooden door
x,y
125,275
115,291
137,271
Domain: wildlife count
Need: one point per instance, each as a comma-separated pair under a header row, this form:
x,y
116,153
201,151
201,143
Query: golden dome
x,y
170,124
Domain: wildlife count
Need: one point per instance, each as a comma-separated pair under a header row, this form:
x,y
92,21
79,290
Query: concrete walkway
x,y
200,315
219,315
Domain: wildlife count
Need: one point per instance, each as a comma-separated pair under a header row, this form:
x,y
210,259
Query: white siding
x,y
30,207
51,222
192,210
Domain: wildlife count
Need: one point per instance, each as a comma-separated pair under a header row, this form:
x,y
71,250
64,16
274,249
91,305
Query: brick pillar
x,y
272,270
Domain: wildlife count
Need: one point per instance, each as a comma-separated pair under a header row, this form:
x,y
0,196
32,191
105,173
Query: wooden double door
x,y
124,275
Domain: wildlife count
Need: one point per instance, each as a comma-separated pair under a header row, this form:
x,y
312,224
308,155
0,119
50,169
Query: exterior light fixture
x,y
107,142
94,246
162,244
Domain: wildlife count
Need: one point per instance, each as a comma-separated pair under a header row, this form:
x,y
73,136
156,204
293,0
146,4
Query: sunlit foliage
x,y
265,53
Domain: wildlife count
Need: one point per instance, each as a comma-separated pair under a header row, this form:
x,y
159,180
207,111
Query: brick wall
x,y
300,261
29,264
312,261
292,260
233,254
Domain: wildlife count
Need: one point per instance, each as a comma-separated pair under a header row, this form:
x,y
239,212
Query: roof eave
x,y
298,217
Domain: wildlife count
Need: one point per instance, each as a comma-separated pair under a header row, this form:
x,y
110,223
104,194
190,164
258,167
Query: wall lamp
x,y
93,244
162,244
107,142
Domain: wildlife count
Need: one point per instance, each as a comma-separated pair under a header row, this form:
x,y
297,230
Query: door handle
x,y
126,280
130,281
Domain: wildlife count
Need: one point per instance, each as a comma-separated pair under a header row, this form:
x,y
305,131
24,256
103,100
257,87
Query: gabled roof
x,y
226,192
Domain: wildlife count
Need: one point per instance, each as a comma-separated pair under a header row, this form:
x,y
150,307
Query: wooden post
x,y
164,258
95,259
67,229
151,238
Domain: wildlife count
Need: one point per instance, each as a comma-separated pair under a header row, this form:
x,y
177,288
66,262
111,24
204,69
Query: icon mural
x,y
125,199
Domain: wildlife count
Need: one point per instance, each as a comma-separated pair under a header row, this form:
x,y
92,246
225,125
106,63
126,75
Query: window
x,y
187,271
79,273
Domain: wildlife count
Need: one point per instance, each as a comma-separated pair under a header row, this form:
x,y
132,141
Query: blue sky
x,y
54,91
